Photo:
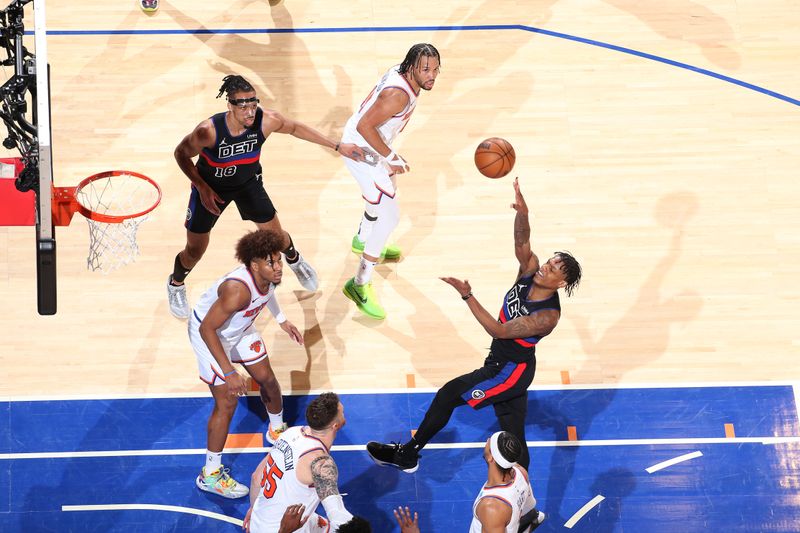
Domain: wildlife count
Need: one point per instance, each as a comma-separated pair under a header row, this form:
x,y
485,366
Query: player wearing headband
x,y
505,503
228,170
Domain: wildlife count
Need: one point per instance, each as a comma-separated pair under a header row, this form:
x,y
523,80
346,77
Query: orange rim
x,y
114,219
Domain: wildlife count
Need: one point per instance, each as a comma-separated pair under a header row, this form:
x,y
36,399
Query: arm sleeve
x,y
275,308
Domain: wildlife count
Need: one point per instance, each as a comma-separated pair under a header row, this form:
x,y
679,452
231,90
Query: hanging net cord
x,y
113,244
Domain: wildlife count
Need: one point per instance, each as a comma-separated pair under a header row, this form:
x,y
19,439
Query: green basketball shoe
x,y
364,298
390,251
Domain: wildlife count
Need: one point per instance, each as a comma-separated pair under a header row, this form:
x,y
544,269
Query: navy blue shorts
x,y
251,199
497,381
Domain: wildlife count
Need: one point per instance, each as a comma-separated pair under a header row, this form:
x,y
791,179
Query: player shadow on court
x,y
614,485
643,331
688,21
368,488
124,479
272,66
417,200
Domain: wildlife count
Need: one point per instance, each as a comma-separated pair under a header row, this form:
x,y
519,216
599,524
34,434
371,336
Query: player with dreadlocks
x,y
531,310
373,127
228,169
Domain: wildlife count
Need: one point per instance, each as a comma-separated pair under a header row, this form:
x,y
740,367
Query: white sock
x,y
213,461
275,420
364,273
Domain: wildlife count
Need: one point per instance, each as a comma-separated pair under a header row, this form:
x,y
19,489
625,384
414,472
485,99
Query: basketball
x,y
494,157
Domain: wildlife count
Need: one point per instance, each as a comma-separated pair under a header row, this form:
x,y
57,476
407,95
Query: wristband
x,y
466,296
280,317
394,159
232,372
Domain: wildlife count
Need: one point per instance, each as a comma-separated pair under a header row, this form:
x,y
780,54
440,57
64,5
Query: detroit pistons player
x,y
228,170
373,127
531,309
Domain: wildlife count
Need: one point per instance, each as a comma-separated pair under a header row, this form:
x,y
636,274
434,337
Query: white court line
x,y
600,386
675,460
435,446
583,510
152,507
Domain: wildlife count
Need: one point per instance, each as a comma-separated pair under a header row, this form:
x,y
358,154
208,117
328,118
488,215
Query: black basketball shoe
x,y
395,455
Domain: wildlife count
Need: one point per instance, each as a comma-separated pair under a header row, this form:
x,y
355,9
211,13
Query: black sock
x,y
179,272
291,254
411,446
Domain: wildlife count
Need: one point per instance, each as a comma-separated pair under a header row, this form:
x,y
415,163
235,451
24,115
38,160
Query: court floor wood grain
x,y
676,189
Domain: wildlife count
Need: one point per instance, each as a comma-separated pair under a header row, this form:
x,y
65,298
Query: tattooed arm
x,y
528,262
540,323
325,476
326,482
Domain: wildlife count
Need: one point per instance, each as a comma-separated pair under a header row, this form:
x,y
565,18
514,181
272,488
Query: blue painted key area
x,y
736,485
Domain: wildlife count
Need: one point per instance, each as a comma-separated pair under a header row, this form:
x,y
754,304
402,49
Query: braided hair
x,y
572,271
232,84
415,53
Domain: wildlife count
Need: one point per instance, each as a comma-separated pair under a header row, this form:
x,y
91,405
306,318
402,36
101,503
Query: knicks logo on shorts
x,y
256,347
188,214
477,394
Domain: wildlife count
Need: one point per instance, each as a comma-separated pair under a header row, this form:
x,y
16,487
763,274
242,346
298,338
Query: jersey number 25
x,y
270,477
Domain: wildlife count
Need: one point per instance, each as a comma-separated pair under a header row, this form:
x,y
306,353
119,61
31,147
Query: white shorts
x,y
248,349
375,181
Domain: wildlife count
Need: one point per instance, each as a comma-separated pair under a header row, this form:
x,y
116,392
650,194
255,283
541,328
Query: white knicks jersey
x,y
233,328
517,494
395,124
280,487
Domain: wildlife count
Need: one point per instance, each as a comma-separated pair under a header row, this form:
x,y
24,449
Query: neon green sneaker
x,y
390,251
220,482
365,298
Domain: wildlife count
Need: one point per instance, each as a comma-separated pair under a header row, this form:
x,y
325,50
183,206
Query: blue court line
x,y
487,27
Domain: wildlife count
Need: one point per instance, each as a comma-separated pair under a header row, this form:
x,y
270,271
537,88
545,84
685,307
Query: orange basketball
x,y
494,157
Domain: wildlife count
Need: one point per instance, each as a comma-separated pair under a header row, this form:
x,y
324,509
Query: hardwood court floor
x,y
677,190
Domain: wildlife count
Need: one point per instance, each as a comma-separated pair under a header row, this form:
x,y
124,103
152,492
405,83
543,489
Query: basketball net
x,y
118,203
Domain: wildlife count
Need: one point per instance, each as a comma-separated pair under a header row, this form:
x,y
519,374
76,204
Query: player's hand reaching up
x,y
407,525
463,287
519,204
293,332
293,518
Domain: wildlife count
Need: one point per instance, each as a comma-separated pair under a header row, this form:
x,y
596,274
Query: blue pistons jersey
x,y
515,305
233,160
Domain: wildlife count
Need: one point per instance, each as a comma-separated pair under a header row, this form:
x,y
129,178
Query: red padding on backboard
x,y
16,208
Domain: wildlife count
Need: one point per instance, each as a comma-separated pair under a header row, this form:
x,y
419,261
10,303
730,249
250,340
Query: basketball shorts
x,y
251,199
497,381
374,180
248,350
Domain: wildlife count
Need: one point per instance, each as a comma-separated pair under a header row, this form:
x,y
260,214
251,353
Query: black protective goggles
x,y
242,102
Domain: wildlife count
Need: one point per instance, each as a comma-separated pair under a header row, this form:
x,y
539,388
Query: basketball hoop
x,y
114,203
